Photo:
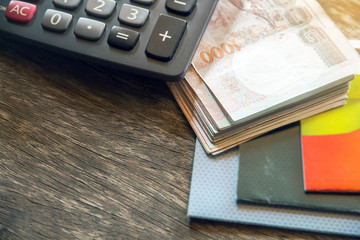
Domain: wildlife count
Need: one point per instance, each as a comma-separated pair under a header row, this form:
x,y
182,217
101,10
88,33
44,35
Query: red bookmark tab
x,y
19,11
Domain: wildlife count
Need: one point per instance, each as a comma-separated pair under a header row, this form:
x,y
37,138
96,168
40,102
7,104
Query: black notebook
x,y
270,172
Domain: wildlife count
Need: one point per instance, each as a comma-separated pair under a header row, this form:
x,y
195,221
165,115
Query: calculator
x,y
152,38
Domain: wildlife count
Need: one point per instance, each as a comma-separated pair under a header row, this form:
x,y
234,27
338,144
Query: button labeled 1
x,y
67,4
165,37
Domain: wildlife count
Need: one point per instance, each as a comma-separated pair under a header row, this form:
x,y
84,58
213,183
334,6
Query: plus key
x,y
165,37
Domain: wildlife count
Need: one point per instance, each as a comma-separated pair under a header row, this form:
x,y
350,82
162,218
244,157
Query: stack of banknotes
x,y
263,64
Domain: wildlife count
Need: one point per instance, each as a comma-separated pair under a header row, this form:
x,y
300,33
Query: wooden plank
x,y
90,153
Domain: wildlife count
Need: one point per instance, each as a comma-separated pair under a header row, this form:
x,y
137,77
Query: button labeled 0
x,y
56,21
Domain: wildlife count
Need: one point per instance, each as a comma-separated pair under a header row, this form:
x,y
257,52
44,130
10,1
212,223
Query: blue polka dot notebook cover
x,y
213,197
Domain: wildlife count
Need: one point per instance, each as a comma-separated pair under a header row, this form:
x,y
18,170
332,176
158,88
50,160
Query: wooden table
x,y
87,153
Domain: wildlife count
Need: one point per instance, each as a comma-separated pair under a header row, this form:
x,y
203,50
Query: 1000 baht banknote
x,y
259,55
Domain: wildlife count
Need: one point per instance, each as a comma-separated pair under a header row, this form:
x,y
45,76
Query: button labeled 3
x,y
133,16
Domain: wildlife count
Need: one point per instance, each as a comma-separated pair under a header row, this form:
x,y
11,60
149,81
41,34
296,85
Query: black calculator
x,y
152,38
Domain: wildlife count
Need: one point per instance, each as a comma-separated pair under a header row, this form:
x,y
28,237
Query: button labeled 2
x,y
100,8
19,11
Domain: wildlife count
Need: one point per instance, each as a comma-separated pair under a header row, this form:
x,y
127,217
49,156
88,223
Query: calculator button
x,y
144,2
165,37
123,38
89,29
183,7
19,11
133,16
56,21
100,8
67,4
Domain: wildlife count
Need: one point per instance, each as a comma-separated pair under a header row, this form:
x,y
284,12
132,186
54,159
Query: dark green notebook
x,y
270,172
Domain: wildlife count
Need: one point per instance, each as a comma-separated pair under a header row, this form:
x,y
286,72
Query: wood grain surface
x,y
90,153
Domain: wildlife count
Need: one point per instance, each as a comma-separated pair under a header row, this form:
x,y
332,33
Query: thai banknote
x,y
195,86
257,56
244,132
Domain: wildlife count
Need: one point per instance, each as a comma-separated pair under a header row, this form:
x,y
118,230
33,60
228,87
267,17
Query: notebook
x,y
212,196
330,147
270,172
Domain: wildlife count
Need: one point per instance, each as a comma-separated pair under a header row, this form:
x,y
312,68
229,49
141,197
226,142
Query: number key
x,y
144,2
56,21
67,4
100,8
133,16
